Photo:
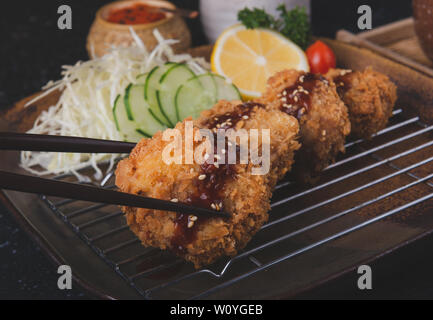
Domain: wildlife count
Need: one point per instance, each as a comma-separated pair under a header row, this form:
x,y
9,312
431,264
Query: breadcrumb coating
x,y
283,145
245,196
370,97
323,127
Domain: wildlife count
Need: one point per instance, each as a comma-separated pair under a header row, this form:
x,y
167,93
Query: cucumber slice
x,y
151,86
125,126
139,109
168,84
201,93
141,78
192,98
226,90
209,84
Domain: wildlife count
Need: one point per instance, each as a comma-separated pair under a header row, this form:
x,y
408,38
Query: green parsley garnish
x,y
293,24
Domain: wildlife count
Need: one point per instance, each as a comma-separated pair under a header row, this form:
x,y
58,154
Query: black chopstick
x,y
25,183
50,143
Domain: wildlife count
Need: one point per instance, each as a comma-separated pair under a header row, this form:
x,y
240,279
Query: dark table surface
x,y
32,52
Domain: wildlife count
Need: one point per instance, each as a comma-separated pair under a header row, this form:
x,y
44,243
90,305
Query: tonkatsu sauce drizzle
x,y
296,99
209,184
230,119
211,179
342,82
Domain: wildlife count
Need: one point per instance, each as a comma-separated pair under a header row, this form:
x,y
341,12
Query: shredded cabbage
x,y
85,105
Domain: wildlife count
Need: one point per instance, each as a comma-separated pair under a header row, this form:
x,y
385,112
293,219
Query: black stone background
x,y
32,51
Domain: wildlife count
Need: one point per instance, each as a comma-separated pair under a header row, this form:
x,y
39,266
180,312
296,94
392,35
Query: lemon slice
x,y
248,57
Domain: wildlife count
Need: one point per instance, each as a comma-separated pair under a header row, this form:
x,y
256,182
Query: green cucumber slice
x,y
125,126
226,90
151,86
168,84
137,106
208,82
141,78
192,98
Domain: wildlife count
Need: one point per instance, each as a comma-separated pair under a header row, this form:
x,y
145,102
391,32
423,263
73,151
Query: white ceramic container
x,y
217,15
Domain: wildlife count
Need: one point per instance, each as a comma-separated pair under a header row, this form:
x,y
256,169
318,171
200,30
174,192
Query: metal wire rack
x,y
374,181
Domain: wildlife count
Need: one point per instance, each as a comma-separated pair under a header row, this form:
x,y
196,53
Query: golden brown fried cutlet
x,y
323,118
369,96
245,196
282,145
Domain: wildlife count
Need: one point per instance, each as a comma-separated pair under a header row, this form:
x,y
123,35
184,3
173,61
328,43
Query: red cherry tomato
x,y
320,57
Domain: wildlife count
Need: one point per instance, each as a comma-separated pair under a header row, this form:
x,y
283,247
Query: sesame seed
x,y
193,218
190,224
202,177
213,206
284,99
296,99
245,117
206,156
323,132
174,200
216,118
284,93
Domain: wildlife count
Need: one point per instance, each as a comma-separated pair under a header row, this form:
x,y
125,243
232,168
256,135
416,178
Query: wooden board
x,y
397,41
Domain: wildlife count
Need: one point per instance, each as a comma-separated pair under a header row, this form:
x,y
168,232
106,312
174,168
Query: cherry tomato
x,y
320,57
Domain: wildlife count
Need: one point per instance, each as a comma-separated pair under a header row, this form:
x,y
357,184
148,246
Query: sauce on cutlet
x,y
209,186
296,99
230,119
342,82
211,179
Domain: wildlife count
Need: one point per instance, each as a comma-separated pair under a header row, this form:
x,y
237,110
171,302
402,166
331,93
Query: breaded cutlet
x,y
323,118
369,96
282,146
229,187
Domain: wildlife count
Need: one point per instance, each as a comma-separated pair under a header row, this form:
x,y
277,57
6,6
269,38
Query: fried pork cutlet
x,y
282,145
369,96
229,187
323,118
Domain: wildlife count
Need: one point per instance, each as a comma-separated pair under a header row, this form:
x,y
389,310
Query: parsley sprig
x,y
293,24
